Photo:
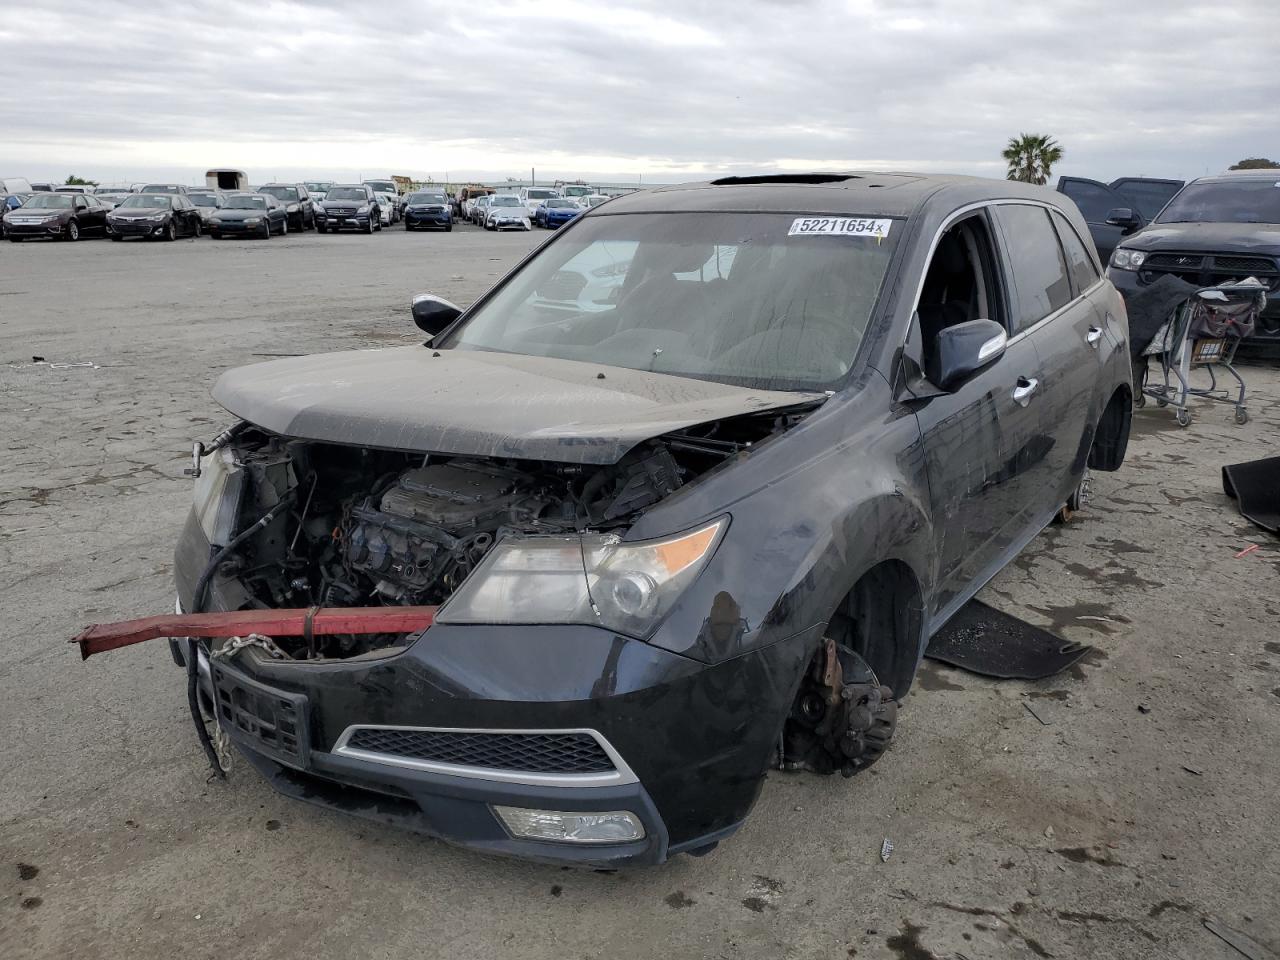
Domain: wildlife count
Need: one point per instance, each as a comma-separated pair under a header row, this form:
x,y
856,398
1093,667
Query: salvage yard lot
x,y
1103,813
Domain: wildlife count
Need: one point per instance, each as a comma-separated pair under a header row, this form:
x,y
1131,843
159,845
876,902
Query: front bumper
x,y
689,742
510,224
429,219
235,226
130,229
338,221
53,229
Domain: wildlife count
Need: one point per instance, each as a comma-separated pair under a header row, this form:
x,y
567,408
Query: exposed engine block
x,y
435,523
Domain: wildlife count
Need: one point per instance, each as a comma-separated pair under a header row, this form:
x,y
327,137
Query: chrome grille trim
x,y
620,775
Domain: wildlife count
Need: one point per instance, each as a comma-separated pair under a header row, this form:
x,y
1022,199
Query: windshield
x,y
161,188
149,202
1244,201
281,193
541,194
316,185
382,186
346,193
557,204
427,198
245,201
713,296
49,201
577,191
505,201
203,199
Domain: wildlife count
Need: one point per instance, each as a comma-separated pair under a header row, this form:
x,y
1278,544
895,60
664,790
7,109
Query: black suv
x,y
297,202
351,205
1215,230
1141,197
691,488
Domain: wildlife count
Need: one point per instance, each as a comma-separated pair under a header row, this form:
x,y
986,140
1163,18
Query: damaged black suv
x,y
684,495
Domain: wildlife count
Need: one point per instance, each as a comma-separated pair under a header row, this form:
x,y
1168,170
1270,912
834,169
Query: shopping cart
x,y
1203,333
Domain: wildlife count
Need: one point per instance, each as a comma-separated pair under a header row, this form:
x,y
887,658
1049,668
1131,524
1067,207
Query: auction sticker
x,y
839,227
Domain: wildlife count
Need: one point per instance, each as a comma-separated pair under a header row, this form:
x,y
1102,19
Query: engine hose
x,y
193,646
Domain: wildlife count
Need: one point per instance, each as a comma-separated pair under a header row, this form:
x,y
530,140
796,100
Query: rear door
x,y
1095,201
1058,319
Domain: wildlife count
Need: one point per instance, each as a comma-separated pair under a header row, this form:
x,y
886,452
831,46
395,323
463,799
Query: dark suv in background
x,y
1137,199
1216,229
297,202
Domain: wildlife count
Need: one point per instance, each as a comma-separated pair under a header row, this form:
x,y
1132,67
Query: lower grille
x,y
554,753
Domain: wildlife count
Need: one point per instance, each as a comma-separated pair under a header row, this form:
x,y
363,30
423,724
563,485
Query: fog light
x,y
615,826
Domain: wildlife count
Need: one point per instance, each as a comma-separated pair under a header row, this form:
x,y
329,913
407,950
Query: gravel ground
x,y
1104,813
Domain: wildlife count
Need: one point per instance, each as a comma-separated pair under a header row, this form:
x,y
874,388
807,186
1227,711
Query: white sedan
x,y
506,212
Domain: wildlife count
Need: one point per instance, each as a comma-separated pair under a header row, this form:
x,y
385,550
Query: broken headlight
x,y
593,579
217,496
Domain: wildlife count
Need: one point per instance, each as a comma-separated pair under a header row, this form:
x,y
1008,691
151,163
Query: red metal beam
x,y
102,637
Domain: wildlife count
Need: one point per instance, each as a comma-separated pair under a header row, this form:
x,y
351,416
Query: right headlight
x,y
217,496
593,579
364,209
1125,259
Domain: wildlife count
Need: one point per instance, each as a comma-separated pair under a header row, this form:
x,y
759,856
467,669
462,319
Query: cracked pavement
x,y
1051,819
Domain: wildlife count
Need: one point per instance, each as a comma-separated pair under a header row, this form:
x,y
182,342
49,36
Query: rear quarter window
x,y
1079,264
1037,271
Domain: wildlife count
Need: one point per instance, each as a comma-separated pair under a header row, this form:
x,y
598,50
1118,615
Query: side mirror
x,y
962,350
1123,217
432,314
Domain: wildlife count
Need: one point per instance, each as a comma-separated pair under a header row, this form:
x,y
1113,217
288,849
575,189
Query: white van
x,y
15,185
226,179
533,197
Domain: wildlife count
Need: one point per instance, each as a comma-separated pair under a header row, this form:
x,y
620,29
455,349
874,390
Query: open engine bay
x,y
347,527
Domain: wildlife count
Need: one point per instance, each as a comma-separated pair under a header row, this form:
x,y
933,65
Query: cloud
x,y
663,90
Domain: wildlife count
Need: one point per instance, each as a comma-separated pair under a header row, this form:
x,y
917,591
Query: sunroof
x,y
786,178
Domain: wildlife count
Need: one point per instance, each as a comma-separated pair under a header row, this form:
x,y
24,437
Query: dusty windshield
x,y
730,297
1242,201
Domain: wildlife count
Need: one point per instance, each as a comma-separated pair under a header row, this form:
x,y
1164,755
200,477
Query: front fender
x,y
811,511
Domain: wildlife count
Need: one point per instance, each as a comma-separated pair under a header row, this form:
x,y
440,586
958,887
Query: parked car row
x,y
527,207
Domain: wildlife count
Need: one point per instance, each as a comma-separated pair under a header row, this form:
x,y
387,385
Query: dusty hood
x,y
1257,238
479,404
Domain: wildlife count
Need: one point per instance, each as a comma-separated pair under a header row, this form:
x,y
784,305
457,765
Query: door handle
x,y
1093,336
1023,391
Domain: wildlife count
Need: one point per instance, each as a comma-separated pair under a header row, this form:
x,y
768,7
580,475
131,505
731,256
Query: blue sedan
x,y
555,212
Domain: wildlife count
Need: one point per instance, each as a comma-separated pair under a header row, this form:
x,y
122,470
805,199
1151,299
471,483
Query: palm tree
x,y
1031,157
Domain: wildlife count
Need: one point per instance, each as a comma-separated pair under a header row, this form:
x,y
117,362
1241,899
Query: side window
x,y
1084,274
81,204
1094,200
960,284
1036,268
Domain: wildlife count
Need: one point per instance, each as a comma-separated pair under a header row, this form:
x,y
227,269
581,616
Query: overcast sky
x,y
660,90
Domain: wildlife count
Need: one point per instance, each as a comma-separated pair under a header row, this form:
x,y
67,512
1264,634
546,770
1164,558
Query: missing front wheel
x,y
843,717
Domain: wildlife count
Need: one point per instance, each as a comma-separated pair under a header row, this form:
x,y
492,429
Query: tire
x,y
266,229
448,228
320,229
1242,416
215,235
196,231
19,239
115,236
170,232
1184,418
73,232
369,228
284,227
